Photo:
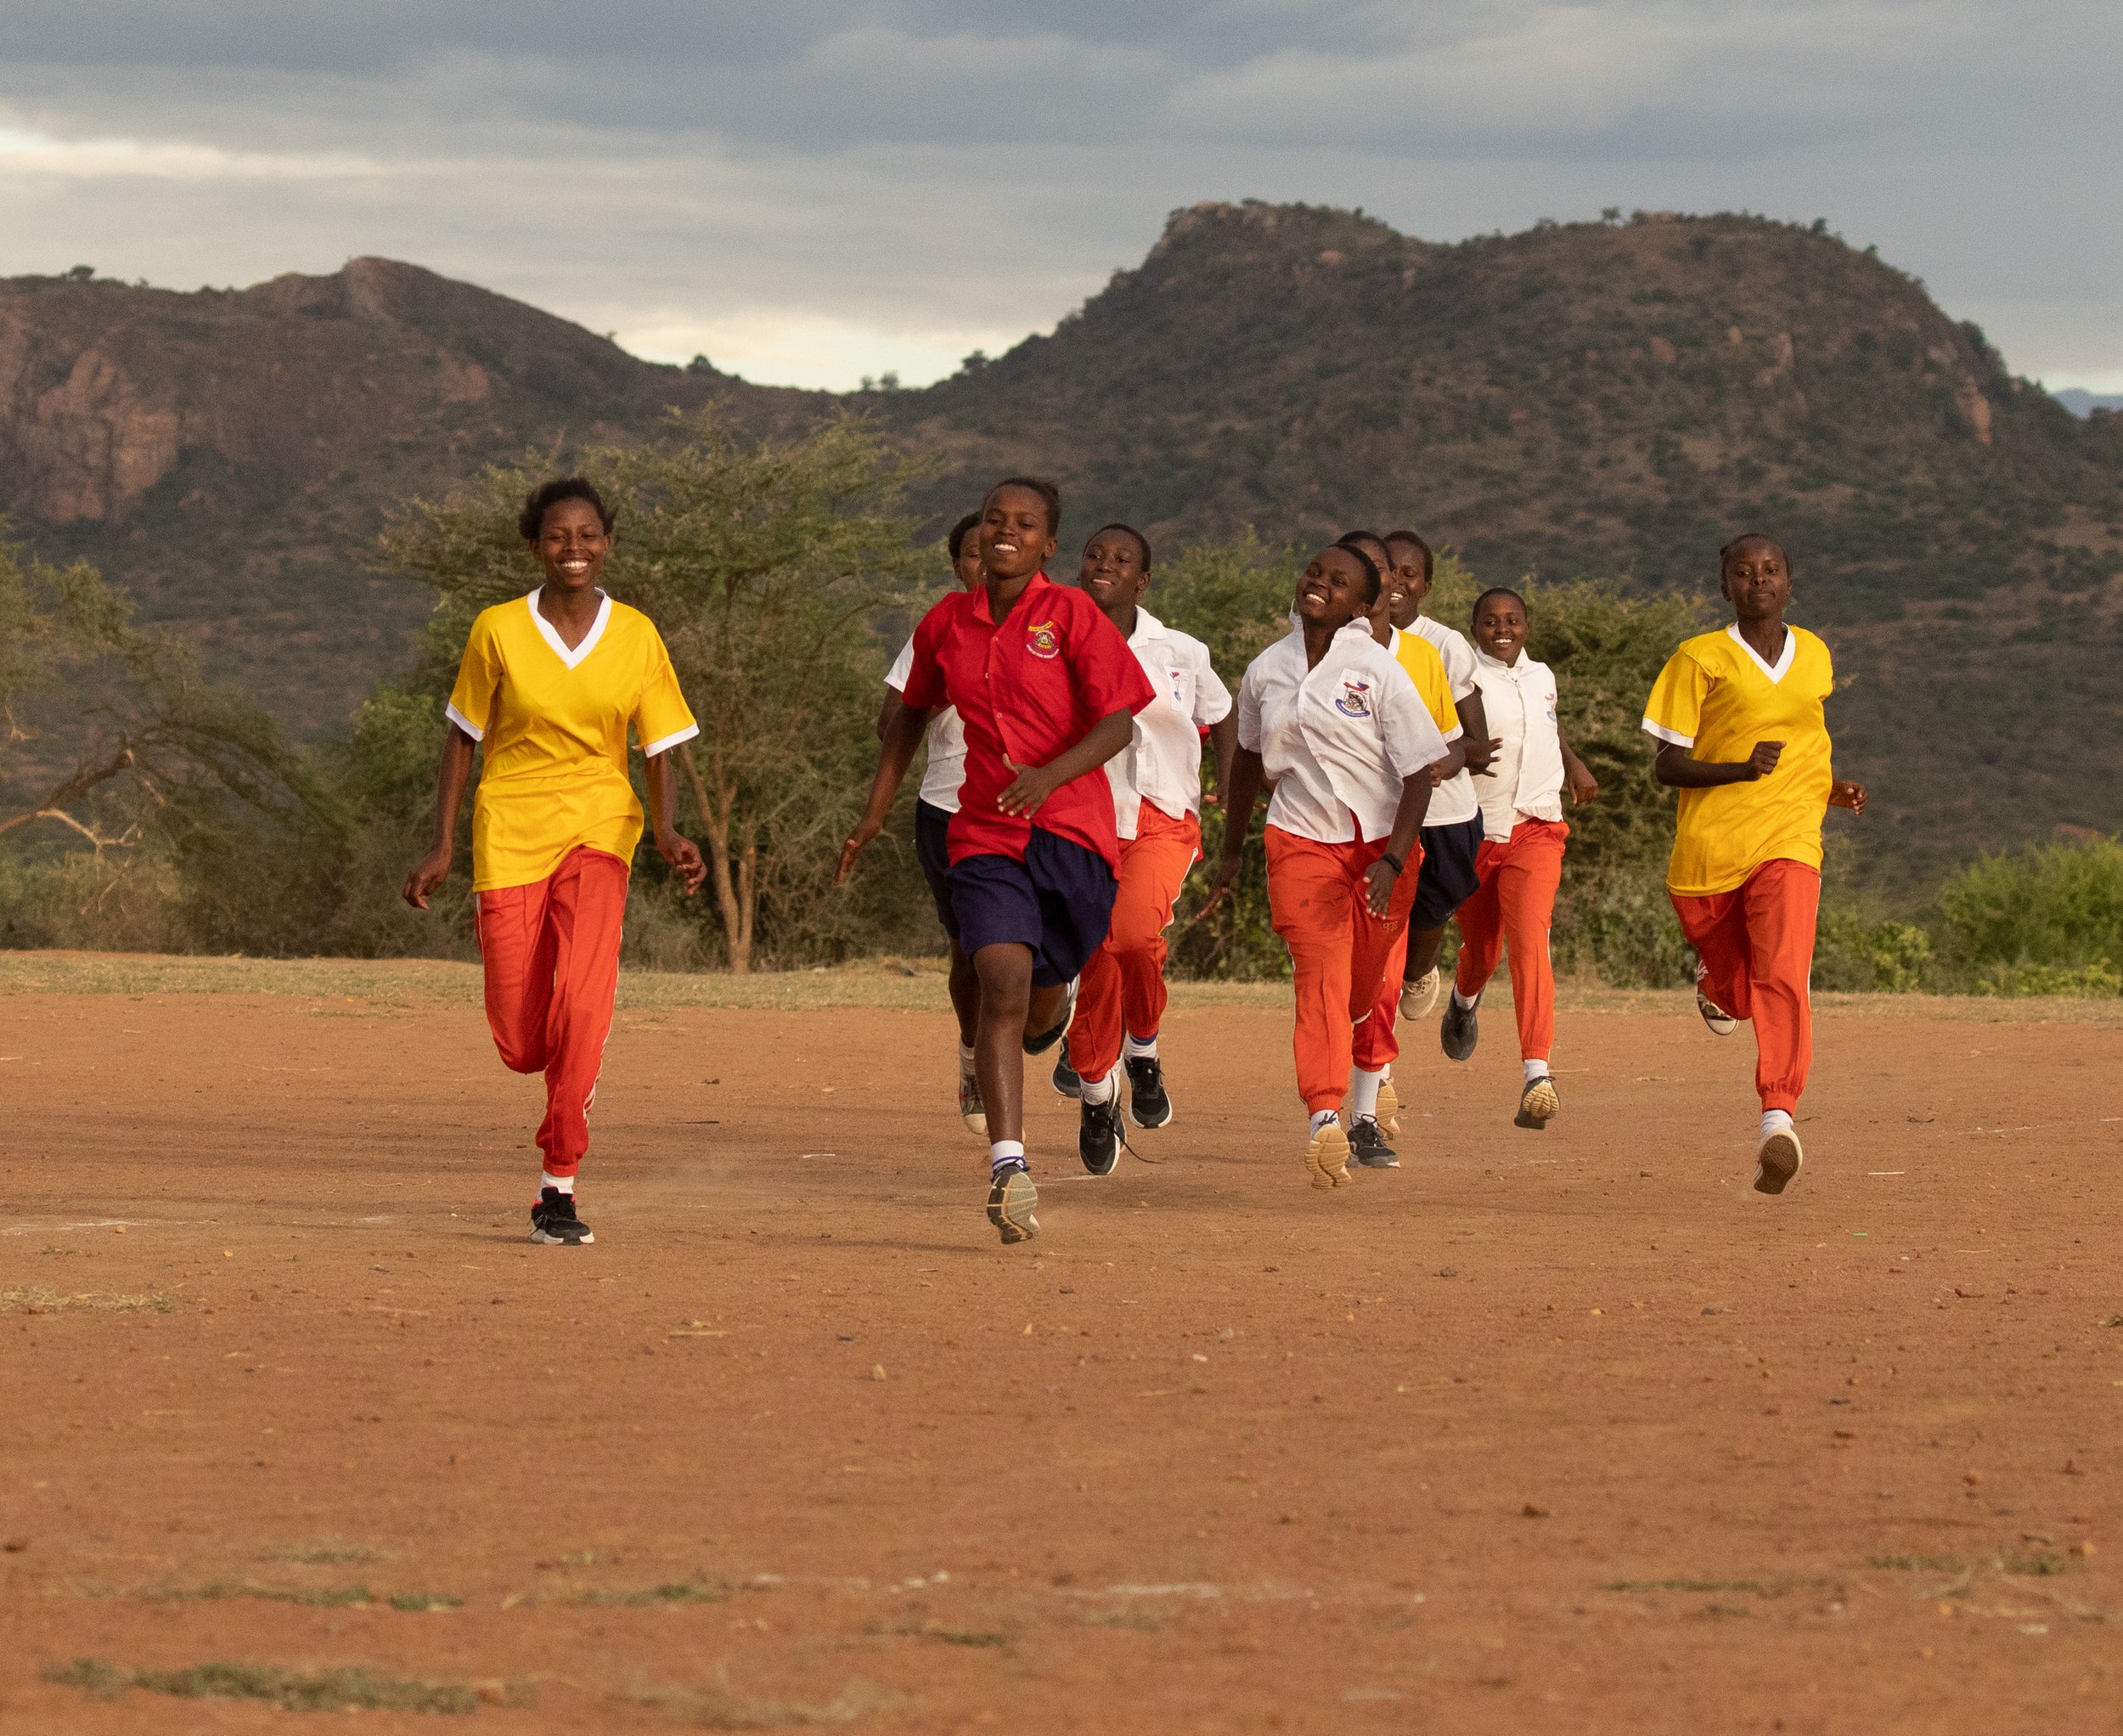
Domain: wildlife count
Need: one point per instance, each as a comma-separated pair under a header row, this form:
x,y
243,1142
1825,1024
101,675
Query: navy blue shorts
x,y
1448,879
933,850
1058,901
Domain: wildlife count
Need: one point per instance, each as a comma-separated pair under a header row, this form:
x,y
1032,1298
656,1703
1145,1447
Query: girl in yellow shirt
x,y
548,684
1742,735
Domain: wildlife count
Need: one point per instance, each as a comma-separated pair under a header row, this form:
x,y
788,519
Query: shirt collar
x,y
1148,626
979,594
1487,661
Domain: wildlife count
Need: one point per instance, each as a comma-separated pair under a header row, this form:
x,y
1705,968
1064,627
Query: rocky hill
x,y
1611,400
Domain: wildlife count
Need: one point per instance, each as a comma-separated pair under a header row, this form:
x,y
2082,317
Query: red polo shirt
x,y
1030,689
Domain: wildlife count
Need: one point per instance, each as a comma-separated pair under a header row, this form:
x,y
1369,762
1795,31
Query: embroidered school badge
x,y
1355,701
1043,640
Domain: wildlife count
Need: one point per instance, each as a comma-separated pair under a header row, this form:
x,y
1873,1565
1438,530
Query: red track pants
x,y
1123,981
1756,942
552,956
1515,906
1338,951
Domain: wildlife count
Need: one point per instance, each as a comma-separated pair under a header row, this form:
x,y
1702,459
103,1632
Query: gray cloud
x,y
815,190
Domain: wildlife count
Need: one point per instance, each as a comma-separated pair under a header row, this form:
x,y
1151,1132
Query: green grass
x,y
691,1591
725,1707
1917,1564
327,1555
303,1597
328,1691
1765,1589
53,1302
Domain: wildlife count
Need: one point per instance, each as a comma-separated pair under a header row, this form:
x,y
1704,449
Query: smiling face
x,y
1015,538
967,567
1330,590
571,546
1757,580
1407,580
1113,572
1500,627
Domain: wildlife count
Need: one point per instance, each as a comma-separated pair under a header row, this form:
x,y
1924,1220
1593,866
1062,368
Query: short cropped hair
x,y
957,538
1375,579
1045,490
1414,542
530,521
1740,542
1499,590
1141,541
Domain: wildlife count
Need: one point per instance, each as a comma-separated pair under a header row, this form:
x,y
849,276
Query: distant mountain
x,y
1593,399
2081,403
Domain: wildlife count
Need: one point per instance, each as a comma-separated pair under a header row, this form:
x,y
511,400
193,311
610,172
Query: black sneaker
x,y
1367,1145
1067,1080
553,1221
1148,1101
1046,1039
1100,1135
1457,1032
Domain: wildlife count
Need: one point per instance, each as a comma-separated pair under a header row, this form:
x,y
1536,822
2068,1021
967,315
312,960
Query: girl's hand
x,y
1032,786
1842,793
428,873
684,857
865,830
1226,871
1584,787
1379,881
1763,760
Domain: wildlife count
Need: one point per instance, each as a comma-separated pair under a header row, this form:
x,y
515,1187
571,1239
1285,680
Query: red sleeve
x,y
1109,676
925,689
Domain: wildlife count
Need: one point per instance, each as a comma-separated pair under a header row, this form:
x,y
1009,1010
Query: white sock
x,y
1460,1000
565,1183
1363,1097
1101,1091
1141,1048
1006,1151
964,1057
1535,1069
1321,1117
1775,1121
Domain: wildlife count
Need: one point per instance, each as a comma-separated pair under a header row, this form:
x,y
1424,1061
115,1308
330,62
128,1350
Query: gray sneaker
x,y
1368,1146
1011,1202
1457,1031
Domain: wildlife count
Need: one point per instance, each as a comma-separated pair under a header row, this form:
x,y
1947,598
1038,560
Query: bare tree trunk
x,y
748,903
733,894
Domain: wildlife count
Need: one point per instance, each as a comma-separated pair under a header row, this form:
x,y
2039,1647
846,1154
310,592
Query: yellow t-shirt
x,y
1426,669
554,726
1717,698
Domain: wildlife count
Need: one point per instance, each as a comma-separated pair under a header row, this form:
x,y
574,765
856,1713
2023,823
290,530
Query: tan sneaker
x,y
1327,1158
971,1109
1010,1201
1538,1104
1418,997
1388,1107
1778,1163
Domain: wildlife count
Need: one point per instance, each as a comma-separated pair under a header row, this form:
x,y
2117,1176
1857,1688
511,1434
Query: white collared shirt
x,y
1452,803
1339,740
946,769
1525,781
1161,763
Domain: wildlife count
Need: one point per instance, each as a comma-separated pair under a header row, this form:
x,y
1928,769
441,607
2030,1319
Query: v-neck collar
x,y
1775,673
551,634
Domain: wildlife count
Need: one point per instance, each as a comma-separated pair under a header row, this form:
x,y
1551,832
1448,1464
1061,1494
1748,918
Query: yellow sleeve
x,y
1674,712
662,718
1426,669
471,701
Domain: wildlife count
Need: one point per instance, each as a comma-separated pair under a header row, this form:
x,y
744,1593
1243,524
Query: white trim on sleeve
x,y
1666,734
463,722
651,749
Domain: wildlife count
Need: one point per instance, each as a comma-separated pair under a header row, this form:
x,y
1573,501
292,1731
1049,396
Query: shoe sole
x,y
1012,1214
1716,1019
1538,1107
1778,1163
975,1120
1419,997
1327,1158
1389,1112
1152,1126
543,1240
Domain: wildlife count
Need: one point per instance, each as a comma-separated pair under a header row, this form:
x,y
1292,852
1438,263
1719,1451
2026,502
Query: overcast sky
x,y
811,190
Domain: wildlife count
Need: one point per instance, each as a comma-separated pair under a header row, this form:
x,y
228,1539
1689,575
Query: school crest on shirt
x,y
1356,699
1043,638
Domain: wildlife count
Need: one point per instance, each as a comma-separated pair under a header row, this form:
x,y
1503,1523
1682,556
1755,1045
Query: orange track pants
x,y
1515,905
1337,950
1123,981
552,955
1756,943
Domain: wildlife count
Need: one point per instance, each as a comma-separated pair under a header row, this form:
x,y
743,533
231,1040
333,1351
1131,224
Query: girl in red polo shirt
x,y
1047,690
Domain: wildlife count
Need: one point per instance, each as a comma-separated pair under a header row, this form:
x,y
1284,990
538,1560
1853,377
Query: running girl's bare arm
x,y
1241,792
1033,784
674,846
1475,749
1584,787
451,778
1415,803
1673,769
895,754
1224,744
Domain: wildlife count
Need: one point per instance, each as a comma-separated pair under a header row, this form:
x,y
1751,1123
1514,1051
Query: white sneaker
x,y
1418,997
1777,1161
1721,1023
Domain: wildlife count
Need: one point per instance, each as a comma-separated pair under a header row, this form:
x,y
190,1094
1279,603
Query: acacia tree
x,y
761,562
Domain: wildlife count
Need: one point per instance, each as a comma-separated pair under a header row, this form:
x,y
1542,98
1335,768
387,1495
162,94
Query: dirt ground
x,y
1547,1432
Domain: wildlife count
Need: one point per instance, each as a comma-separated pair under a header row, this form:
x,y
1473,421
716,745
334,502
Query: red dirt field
x,y
1559,1432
